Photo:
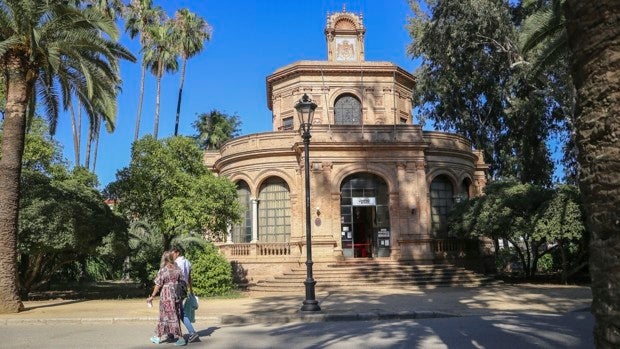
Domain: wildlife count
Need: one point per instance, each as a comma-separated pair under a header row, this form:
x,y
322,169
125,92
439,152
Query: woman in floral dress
x,y
169,312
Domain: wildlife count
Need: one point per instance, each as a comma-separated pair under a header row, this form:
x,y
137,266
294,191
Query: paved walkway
x,y
370,304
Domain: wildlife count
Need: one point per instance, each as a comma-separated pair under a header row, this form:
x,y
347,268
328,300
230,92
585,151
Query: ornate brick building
x,y
380,186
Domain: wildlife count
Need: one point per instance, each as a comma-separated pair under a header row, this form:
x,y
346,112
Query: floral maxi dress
x,y
169,312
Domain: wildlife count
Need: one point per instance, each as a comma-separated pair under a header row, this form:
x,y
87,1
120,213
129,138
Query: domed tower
x,y
347,89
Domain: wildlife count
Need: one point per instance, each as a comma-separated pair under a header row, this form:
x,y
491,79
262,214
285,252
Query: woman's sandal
x,y
158,340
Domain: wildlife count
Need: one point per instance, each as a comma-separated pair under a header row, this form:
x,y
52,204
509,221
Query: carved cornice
x,y
326,68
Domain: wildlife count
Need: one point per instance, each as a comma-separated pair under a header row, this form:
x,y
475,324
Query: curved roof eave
x,y
331,68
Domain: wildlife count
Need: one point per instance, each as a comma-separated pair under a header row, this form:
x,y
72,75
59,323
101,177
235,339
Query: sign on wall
x,y
361,201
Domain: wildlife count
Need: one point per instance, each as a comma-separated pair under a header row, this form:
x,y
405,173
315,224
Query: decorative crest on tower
x,y
344,33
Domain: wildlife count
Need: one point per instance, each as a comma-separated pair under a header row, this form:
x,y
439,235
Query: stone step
x,y
361,274
386,275
323,286
383,271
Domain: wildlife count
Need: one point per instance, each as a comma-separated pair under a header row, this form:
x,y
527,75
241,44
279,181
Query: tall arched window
x,y
464,194
442,199
347,110
274,211
242,232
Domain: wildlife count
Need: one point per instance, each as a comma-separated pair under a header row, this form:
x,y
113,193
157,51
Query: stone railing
x,y
454,247
260,249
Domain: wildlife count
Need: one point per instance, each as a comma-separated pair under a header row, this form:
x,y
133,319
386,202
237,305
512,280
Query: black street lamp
x,y
305,110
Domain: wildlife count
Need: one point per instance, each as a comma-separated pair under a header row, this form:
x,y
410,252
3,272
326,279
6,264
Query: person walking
x,y
168,324
186,269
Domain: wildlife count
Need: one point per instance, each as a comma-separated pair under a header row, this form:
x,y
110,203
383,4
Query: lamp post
x,y
305,110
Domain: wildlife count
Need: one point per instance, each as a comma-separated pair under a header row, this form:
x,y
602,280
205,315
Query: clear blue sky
x,y
251,39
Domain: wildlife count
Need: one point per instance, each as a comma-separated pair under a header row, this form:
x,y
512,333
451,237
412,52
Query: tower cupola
x,y
345,37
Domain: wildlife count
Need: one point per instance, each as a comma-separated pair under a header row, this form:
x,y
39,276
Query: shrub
x,y
211,272
546,264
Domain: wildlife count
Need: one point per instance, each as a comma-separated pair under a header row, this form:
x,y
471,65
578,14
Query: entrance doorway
x,y
363,231
364,217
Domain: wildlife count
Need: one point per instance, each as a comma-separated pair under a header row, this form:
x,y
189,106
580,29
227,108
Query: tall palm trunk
x,y
157,97
176,123
89,141
96,135
76,135
594,39
140,98
19,85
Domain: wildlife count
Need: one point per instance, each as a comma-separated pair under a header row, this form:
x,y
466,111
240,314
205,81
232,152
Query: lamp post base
x,y
310,305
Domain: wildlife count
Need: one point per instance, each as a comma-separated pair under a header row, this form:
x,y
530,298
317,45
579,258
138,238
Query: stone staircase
x,y
359,274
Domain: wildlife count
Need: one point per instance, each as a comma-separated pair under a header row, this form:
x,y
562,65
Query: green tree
x,y
543,43
62,220
215,128
48,50
190,33
160,57
594,42
474,80
140,15
167,186
560,221
535,220
62,216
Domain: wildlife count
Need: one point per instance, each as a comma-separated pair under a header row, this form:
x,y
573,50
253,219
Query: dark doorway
x,y
363,228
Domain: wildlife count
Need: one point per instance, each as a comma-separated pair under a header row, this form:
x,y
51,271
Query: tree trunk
x,y
594,40
176,123
97,134
89,142
76,136
140,98
564,277
19,85
157,96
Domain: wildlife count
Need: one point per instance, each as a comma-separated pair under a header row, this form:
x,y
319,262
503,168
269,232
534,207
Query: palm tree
x,y
160,57
111,9
190,32
215,128
594,41
140,15
545,29
75,51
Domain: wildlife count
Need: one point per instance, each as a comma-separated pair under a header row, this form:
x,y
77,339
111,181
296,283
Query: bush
x,y
211,272
546,264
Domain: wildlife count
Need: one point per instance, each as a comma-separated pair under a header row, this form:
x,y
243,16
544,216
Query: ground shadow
x,y
53,304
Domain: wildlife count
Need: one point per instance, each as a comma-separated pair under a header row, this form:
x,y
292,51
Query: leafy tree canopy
x,y
534,219
63,218
475,81
167,185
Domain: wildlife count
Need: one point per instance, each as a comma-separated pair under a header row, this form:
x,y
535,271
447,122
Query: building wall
x,y
385,144
404,156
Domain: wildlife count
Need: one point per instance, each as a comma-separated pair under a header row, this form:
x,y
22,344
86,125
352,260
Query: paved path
x,y
371,304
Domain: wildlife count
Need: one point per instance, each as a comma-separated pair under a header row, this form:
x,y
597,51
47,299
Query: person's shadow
x,y
203,333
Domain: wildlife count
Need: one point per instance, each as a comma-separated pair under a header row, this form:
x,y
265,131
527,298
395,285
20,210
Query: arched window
x,y
347,110
464,194
274,211
242,232
442,199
